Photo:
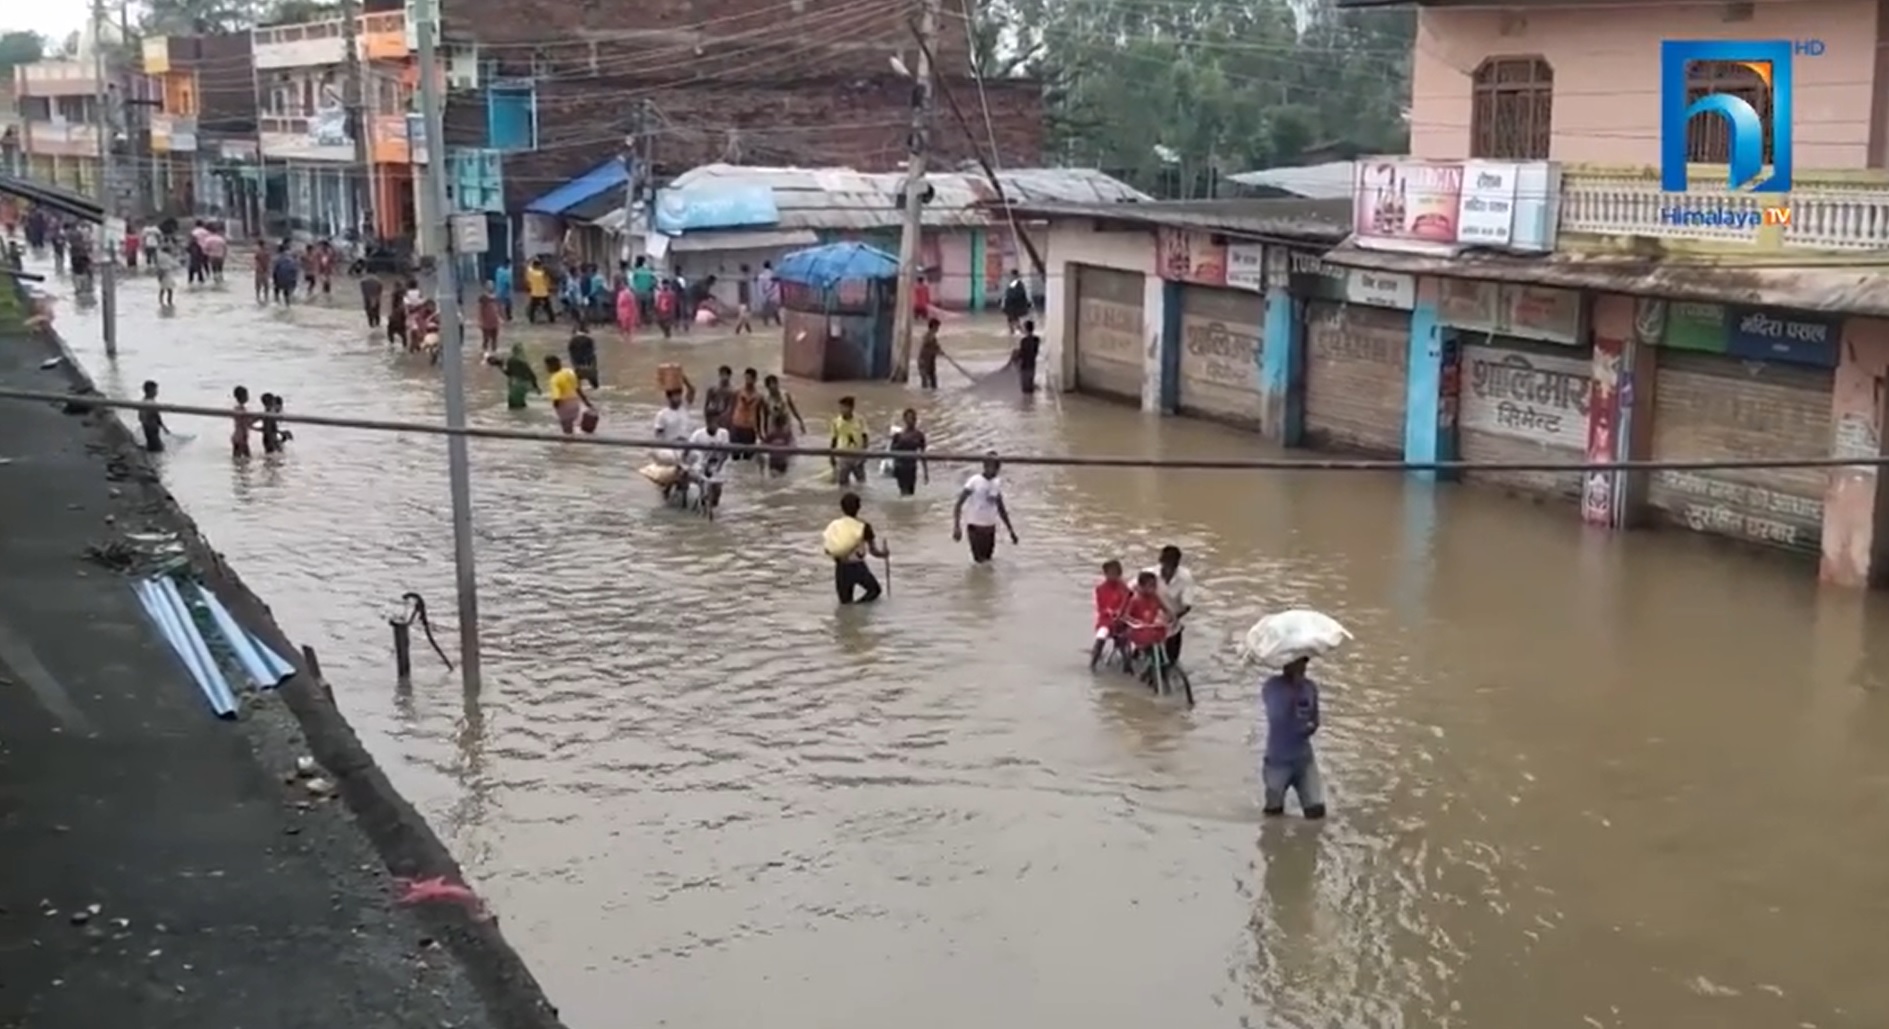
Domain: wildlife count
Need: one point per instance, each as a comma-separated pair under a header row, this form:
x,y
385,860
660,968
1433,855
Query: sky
x,y
51,18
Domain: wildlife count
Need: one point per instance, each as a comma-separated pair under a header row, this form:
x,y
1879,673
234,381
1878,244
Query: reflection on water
x,y
1578,779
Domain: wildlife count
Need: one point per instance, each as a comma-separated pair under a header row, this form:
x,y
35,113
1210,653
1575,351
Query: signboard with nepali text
x,y
1442,207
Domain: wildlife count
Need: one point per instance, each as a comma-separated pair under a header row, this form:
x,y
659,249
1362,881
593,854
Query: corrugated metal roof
x,y
1329,181
1320,221
841,198
1849,287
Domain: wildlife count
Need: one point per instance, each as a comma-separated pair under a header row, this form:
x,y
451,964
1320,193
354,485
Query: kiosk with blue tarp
x,y
836,312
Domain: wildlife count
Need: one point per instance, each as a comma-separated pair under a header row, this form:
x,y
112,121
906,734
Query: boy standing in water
x,y
152,422
272,434
371,289
849,433
1291,702
928,351
909,440
490,316
243,423
583,351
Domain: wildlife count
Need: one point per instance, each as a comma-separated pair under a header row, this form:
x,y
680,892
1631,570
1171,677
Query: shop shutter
x,y
1355,369
1219,361
1111,326
1707,406
1525,401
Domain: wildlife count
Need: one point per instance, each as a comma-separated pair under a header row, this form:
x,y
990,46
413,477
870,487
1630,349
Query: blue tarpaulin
x,y
610,175
828,266
714,206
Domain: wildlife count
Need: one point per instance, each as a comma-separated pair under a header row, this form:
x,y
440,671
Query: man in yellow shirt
x,y
538,287
849,433
567,394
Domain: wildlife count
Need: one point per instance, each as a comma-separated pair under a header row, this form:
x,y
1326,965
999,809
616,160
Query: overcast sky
x,y
51,18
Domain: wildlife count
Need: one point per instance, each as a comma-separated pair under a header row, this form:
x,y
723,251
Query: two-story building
x,y
203,127
58,126
1561,272
325,173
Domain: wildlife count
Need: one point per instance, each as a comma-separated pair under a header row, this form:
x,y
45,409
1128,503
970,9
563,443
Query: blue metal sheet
x,y
606,176
715,207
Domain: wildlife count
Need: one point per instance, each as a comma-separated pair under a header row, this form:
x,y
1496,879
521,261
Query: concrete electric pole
x,y
354,101
452,332
105,119
920,149
638,159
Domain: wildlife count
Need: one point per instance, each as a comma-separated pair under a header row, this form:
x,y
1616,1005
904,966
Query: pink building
x,y
1712,323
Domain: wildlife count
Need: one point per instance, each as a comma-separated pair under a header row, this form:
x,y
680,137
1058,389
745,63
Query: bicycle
x,y
1151,665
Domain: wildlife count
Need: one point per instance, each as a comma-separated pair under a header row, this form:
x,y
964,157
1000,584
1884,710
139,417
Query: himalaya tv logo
x,y
1770,61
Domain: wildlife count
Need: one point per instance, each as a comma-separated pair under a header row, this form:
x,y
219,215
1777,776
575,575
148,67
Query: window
x,y
512,117
1512,114
1708,137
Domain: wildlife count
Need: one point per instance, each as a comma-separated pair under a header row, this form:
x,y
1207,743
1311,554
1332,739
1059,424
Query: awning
x,y
1802,284
756,239
599,182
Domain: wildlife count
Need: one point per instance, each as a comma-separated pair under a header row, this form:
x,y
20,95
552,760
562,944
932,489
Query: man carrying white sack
x,y
1291,702
1288,641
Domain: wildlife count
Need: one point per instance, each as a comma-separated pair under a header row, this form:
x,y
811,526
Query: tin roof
x,y
841,198
1330,181
1317,221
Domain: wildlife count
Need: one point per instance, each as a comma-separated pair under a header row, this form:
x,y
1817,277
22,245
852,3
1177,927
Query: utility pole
x,y
105,121
920,148
353,98
452,337
638,156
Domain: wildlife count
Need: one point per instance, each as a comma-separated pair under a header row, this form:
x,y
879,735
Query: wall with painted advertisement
x,y
1525,376
1736,382
1220,345
1442,207
1357,354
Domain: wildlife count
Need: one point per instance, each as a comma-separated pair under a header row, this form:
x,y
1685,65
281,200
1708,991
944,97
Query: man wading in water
x,y
909,440
852,576
984,495
1177,594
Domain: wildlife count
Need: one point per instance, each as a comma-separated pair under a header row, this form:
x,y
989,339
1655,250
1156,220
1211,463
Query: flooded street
x,y
1577,780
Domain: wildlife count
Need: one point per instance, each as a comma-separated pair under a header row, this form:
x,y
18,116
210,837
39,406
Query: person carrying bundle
x,y
850,542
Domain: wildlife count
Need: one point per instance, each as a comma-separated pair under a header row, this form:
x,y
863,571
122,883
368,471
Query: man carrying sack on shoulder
x,y
850,542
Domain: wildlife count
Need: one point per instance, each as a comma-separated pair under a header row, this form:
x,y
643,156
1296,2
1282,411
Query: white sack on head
x,y
1279,639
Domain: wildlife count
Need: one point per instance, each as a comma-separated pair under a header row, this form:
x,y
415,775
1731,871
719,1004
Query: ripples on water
x,y
1577,780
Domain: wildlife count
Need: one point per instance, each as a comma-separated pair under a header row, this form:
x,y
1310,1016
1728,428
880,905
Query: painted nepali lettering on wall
x,y
1507,309
1311,278
1691,326
1246,266
1190,256
1220,348
1356,339
1381,289
1783,336
1530,397
1108,331
1741,509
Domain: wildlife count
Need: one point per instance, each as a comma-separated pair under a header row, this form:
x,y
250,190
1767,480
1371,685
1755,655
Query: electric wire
x,y
1306,464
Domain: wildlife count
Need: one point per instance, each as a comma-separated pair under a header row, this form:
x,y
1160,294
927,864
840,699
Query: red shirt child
x,y
1146,616
921,298
1111,596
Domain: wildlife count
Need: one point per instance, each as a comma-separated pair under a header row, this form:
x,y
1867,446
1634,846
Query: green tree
x,y
17,48
1172,96
197,17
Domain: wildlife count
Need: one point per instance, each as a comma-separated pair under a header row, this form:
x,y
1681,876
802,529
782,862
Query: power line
x,y
1309,464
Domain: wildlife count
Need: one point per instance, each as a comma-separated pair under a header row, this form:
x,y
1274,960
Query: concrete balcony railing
x,y
1842,211
379,37
67,138
58,78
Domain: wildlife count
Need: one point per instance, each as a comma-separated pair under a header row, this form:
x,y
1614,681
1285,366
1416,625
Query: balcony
x,y
58,78
300,46
173,133
1606,208
384,36
60,137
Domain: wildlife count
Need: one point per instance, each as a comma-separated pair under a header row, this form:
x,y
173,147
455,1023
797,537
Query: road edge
x,y
401,836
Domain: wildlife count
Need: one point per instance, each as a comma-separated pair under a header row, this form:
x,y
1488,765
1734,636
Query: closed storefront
x,y
1356,359
1219,354
1109,332
1525,374
1738,383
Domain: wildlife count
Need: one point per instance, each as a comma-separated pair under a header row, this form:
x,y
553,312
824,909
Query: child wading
x,y
151,423
1291,703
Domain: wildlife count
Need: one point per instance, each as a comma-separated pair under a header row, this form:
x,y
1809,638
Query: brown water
x,y
1577,780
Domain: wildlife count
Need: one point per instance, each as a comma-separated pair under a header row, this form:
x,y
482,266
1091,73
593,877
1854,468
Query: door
x,y
1109,332
1219,354
1356,364
1525,401
1708,406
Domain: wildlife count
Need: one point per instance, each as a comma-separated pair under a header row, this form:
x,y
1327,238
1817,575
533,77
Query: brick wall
x,y
858,122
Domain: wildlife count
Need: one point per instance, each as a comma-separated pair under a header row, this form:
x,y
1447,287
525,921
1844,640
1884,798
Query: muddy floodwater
x,y
1577,780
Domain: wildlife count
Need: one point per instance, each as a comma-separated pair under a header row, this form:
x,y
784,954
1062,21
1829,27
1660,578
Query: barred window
x,y
1708,136
1512,113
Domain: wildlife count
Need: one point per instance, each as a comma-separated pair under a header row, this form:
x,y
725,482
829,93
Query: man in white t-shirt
x,y
707,465
1177,594
980,509
671,426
